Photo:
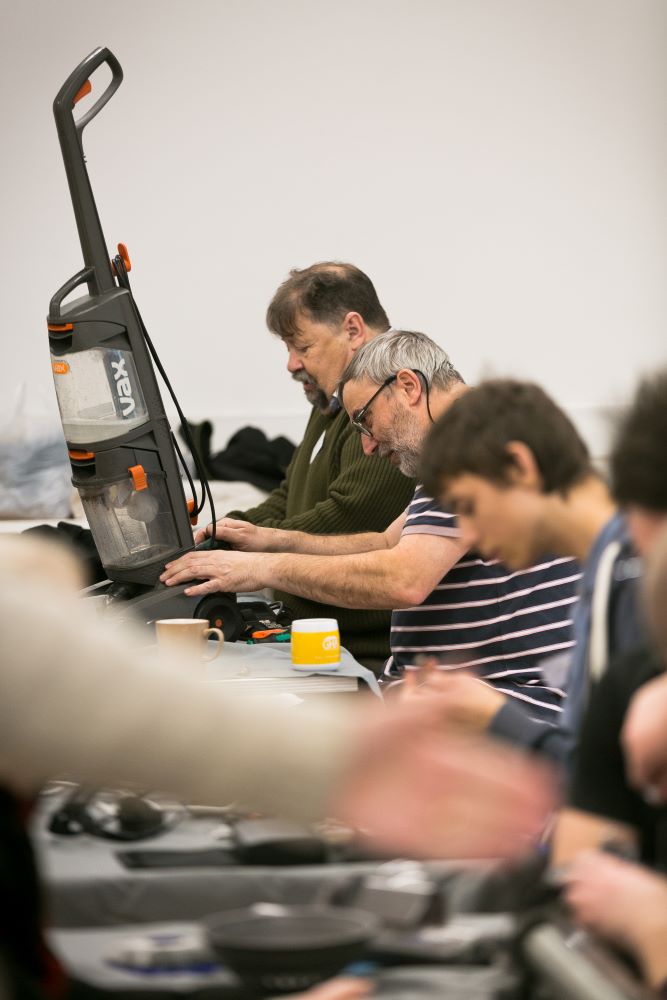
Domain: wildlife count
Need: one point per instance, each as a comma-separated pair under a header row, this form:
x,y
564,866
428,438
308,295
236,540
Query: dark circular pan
x,y
283,948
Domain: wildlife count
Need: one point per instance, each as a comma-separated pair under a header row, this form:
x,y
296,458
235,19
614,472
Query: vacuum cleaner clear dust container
x,y
99,394
130,518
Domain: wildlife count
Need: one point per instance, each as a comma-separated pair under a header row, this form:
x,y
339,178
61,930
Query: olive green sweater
x,y
337,493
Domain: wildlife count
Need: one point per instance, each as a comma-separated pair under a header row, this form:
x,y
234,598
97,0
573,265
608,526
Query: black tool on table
x,y
133,818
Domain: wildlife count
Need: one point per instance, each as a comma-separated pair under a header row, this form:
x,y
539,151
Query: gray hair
x,y
388,353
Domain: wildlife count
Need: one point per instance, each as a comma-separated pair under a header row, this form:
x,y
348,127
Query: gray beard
x,y
408,464
316,397
406,443
319,399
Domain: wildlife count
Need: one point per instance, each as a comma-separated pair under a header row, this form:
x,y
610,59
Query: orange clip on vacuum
x,y
122,452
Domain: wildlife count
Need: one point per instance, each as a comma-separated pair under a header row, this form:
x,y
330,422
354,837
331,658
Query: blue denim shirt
x,y
625,632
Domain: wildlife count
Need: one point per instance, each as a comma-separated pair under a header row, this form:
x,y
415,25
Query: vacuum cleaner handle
x,y
85,276
77,85
70,131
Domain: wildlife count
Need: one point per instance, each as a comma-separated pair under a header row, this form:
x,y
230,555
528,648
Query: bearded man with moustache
x,y
324,314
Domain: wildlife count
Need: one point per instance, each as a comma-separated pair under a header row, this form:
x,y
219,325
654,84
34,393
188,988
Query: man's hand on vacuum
x,y
244,536
220,571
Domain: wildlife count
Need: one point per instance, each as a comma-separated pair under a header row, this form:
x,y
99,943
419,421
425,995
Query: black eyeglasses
x,y
358,419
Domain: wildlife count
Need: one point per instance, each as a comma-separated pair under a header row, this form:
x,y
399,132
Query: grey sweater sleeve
x,y
84,698
514,724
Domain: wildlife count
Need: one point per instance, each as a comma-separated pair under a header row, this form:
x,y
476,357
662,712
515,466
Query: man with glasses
x,y
324,314
447,603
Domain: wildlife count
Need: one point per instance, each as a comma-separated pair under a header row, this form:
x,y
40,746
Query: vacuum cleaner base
x,y
221,610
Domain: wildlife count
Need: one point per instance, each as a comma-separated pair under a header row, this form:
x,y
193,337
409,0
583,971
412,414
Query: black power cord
x,y
124,282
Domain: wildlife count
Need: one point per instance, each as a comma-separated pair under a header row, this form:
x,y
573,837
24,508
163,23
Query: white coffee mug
x,y
188,636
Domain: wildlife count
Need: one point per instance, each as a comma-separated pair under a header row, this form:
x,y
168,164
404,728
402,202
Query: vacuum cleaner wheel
x,y
223,613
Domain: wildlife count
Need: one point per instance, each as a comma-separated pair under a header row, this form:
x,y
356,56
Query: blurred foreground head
x,y
639,462
40,561
655,592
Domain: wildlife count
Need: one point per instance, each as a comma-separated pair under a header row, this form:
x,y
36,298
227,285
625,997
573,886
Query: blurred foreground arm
x,y
644,735
341,988
578,831
625,903
79,697
644,739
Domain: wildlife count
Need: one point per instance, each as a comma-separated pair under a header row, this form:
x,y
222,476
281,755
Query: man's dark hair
x,y
639,454
325,293
473,433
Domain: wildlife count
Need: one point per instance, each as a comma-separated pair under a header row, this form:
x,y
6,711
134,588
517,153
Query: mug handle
x,y
221,640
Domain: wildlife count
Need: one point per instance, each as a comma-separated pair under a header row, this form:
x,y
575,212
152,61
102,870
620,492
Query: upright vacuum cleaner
x,y
121,449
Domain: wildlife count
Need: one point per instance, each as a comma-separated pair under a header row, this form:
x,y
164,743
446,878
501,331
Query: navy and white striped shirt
x,y
482,616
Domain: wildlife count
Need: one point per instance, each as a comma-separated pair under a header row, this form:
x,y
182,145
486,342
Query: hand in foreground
x,y
241,535
221,572
644,739
413,790
467,701
625,903
341,988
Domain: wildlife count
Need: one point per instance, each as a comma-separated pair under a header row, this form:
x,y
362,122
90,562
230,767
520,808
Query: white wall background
x,y
498,167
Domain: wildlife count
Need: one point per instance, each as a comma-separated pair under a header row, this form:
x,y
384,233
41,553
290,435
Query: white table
x,y
86,885
266,668
83,953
